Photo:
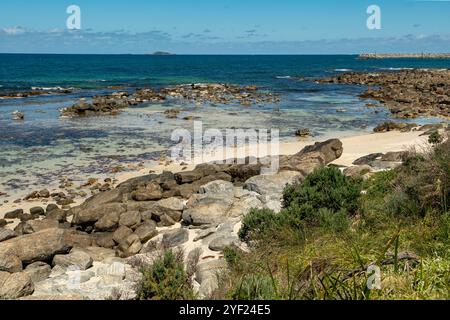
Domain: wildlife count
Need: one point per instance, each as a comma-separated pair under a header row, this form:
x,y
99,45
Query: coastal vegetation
x,y
322,243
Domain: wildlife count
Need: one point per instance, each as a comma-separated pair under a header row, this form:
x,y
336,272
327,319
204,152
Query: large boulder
x,y
38,271
15,285
331,149
175,238
90,215
130,219
152,191
146,231
76,258
39,246
312,157
270,187
10,263
207,276
109,222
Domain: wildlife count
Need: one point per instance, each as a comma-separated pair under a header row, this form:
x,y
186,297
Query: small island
x,y
161,53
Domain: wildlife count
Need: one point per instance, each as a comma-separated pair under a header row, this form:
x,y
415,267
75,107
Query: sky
x,y
224,26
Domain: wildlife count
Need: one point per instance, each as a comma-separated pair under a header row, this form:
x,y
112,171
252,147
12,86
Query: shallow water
x,y
44,147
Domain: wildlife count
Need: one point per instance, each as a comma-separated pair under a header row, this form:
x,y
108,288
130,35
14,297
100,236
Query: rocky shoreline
x,y
406,93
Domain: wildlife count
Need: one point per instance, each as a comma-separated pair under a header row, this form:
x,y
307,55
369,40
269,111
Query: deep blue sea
x,y
44,146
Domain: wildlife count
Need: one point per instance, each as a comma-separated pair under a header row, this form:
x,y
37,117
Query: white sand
x,y
354,147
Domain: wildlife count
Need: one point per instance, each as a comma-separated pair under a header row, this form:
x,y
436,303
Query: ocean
x,y
45,147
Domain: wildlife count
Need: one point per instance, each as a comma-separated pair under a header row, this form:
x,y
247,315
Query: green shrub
x,y
165,279
259,222
324,188
333,221
435,138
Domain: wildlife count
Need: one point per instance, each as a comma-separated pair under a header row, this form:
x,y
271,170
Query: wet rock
x,y
303,133
17,115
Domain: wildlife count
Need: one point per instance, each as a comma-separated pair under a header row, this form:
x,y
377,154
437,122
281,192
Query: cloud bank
x,y
22,40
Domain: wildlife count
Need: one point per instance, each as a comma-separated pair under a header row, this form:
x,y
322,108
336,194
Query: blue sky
x,y
224,26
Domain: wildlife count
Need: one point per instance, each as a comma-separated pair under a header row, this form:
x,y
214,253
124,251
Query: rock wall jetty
x,y
367,56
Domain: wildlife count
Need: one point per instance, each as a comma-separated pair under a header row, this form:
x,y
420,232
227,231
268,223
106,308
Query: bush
x,y
165,279
435,138
325,188
259,222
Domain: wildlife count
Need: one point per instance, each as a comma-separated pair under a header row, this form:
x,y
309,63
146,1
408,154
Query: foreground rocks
x,y
85,252
200,93
407,93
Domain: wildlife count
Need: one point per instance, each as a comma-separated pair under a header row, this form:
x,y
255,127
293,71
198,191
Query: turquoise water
x,y
43,147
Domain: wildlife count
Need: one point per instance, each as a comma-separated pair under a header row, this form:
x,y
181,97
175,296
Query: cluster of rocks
x,y
200,93
407,93
202,207
407,127
366,165
33,93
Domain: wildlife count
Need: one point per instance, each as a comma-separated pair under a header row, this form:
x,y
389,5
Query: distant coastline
x,y
367,56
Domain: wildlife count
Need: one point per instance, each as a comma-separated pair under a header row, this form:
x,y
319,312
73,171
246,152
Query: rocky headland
x,y
406,93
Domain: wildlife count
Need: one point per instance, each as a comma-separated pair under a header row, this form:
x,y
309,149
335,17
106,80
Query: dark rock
x,y
13,214
37,211
367,160
175,238
51,207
